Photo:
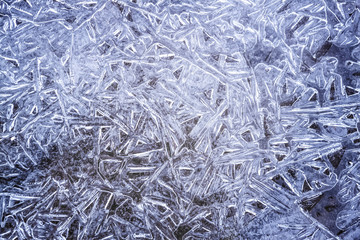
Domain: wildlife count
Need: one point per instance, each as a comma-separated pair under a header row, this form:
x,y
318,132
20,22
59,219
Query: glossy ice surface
x,y
182,119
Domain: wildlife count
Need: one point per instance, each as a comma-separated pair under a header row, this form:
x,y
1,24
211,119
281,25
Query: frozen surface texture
x,y
227,119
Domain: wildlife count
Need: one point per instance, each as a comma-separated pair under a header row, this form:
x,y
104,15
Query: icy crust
x,y
179,119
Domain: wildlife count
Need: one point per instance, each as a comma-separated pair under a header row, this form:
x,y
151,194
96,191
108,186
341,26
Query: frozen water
x,y
146,119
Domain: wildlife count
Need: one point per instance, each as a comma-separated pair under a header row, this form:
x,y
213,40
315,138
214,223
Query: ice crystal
x,y
168,119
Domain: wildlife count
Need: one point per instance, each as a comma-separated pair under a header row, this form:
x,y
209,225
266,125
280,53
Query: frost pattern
x,y
145,119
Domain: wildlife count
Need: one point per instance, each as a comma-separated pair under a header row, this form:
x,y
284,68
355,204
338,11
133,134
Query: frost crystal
x,y
169,119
